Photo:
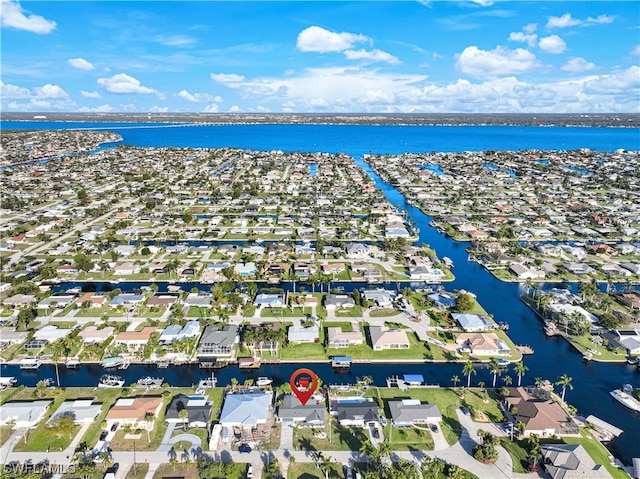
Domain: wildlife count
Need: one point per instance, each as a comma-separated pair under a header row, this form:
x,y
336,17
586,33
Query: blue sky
x,y
330,56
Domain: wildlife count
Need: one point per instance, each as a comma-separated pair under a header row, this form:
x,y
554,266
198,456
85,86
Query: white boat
x,y
624,396
448,262
110,381
149,382
30,363
206,383
263,381
7,382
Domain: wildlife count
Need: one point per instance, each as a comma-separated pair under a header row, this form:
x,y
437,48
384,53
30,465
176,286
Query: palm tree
x,y
494,366
57,349
564,381
507,380
455,380
538,381
468,370
519,368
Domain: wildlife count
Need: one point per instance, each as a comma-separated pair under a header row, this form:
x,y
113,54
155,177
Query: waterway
x,y
553,357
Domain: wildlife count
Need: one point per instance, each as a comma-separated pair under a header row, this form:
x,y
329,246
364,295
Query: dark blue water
x,y
553,356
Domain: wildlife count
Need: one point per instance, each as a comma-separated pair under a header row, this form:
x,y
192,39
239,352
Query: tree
x,y
564,381
464,303
507,380
62,426
184,415
455,380
57,348
432,467
519,368
83,262
486,452
494,367
468,370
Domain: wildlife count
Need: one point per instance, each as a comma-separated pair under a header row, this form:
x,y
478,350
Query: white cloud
x,y
175,40
620,82
497,62
90,94
636,50
212,108
13,16
530,28
563,21
600,19
483,3
317,39
578,65
80,64
552,44
530,38
158,109
372,56
227,78
235,109
42,98
123,83
199,97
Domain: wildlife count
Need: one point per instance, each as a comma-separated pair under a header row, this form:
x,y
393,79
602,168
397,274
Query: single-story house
x,y
269,300
91,334
539,414
246,409
383,337
164,300
23,413
177,332
10,336
50,333
299,334
484,344
333,301
245,269
408,412
135,339
134,412
311,414
357,414
472,322
380,297
336,338
83,411
95,299
126,298
197,407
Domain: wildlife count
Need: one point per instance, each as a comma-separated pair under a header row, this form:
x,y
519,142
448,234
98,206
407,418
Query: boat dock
x,y
409,381
7,382
72,363
341,362
150,383
249,363
112,362
525,349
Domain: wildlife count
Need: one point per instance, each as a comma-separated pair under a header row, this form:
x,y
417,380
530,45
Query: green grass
x,y
99,312
416,350
63,324
137,472
308,470
518,453
409,438
294,352
5,433
345,326
340,438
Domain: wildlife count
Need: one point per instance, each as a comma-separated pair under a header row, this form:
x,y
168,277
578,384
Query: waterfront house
x,y
333,301
162,300
357,251
198,409
216,342
48,334
407,412
124,269
442,300
633,267
483,344
92,299
630,299
137,412
380,297
539,413
126,299
9,336
200,299
357,414
336,338
626,339
272,300
473,322
578,269
311,414
246,410
383,337
92,335
245,269
22,414
57,301
299,334
82,411
568,461
135,339
523,272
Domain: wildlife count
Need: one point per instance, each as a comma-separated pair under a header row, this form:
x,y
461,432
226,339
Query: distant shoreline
x,y
618,120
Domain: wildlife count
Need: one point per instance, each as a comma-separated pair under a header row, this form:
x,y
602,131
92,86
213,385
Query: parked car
x,y
114,427
246,448
433,427
376,433
250,472
103,436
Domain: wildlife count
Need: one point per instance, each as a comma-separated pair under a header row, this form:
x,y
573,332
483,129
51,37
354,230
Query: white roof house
x,y
23,413
246,409
299,334
83,411
470,322
50,333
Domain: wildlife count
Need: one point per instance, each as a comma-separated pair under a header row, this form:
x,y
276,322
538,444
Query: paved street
x,y
458,454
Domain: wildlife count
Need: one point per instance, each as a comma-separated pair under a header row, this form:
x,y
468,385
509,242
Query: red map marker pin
x,y
303,384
